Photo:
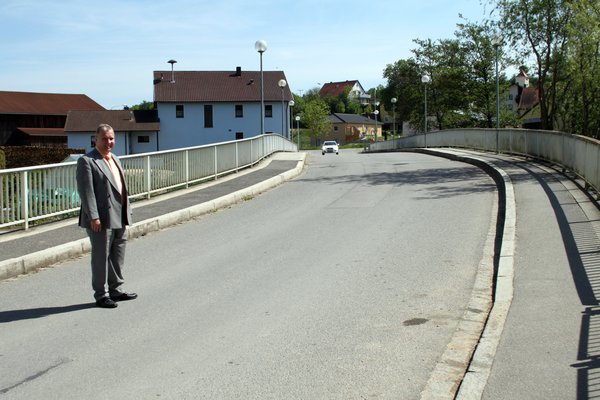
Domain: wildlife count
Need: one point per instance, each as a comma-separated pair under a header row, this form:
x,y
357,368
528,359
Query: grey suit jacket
x,y
99,195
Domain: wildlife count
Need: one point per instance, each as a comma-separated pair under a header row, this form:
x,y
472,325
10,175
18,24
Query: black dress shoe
x,y
124,296
106,302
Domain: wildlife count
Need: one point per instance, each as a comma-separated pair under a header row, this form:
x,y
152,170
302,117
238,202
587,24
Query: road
x,y
345,283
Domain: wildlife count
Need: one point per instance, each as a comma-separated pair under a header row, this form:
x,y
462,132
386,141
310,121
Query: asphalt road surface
x,y
344,283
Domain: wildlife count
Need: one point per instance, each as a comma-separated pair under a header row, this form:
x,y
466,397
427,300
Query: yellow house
x,y
348,128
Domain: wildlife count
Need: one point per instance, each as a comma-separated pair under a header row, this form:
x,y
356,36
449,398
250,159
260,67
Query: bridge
x,y
336,287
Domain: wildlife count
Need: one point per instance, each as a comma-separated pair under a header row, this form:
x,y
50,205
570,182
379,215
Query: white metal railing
x,y
579,154
35,193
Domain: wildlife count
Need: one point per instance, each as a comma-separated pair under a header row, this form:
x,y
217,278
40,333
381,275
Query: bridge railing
x,y
579,154
50,191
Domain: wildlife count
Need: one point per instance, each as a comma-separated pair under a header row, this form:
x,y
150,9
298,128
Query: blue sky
x,y
108,49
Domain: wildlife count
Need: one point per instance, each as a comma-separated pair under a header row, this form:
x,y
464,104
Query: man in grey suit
x,y
105,213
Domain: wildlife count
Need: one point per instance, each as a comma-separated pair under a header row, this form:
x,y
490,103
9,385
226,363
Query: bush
x,y
25,156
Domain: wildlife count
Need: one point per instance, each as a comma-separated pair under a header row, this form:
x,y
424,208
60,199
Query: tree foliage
x,y
316,117
144,105
539,29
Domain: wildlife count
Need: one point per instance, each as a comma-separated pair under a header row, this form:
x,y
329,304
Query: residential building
x,y
348,128
136,131
38,119
203,107
355,90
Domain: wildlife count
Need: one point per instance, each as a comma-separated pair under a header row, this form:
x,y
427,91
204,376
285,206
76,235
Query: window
x,y
335,128
143,139
239,111
93,141
239,135
179,111
208,116
268,111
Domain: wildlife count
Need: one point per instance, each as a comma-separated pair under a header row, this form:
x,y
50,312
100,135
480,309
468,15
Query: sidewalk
x,y
22,252
541,340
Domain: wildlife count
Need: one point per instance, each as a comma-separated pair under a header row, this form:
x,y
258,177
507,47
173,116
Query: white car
x,y
330,146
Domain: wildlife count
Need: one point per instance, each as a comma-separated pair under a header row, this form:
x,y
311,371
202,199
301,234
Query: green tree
x,y
316,117
404,83
443,61
476,40
144,105
540,28
580,109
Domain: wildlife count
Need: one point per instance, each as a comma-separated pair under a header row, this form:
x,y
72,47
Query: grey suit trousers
x,y
108,256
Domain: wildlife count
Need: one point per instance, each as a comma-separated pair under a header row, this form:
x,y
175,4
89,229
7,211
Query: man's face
x,y
105,142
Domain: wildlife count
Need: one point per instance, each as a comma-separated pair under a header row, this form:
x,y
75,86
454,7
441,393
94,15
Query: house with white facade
x,y
204,107
136,131
354,88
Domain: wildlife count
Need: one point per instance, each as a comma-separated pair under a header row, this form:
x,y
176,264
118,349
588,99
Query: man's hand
x,y
95,225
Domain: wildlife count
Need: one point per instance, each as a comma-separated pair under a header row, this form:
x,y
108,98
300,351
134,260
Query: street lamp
x,y
496,42
261,47
292,103
426,80
298,130
376,113
282,83
394,100
375,104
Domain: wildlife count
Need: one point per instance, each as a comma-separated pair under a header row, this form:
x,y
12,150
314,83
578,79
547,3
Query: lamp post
x,y
496,42
292,103
375,113
282,83
261,47
425,79
298,130
394,100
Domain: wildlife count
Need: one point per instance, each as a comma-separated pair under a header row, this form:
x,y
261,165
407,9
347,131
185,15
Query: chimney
x,y
172,62
238,71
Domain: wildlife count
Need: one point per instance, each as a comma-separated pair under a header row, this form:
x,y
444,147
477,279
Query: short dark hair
x,y
103,128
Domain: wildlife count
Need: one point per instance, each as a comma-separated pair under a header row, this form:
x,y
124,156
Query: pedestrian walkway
x,y
542,339
26,251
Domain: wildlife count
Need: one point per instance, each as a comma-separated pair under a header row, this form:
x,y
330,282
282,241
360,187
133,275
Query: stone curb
x,y
465,365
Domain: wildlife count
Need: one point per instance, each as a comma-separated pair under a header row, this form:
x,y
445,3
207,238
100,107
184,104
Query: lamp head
x,y
260,46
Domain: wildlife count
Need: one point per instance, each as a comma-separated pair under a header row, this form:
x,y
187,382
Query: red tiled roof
x,y
120,120
336,88
218,86
43,131
44,103
529,98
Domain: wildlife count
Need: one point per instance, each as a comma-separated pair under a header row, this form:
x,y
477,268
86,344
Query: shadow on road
x,y
439,181
32,313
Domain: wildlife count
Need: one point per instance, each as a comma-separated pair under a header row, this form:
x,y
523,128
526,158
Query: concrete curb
x,y
465,365
32,262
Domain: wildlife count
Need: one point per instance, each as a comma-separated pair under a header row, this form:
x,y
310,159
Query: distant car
x,y
330,146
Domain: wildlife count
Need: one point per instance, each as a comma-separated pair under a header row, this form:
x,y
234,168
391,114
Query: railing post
x,y
216,163
148,176
237,157
24,200
187,169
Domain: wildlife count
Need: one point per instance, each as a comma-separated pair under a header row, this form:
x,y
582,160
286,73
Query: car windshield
x,y
329,143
